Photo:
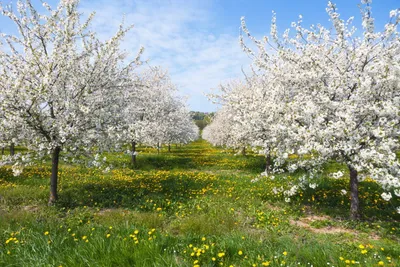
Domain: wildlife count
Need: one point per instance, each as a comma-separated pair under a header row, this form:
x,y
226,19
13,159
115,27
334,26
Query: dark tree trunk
x,y
134,153
268,164
354,200
244,151
176,145
12,149
158,148
169,148
54,175
2,150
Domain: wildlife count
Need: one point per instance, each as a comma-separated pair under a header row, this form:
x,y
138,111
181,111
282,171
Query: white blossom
x,y
397,192
386,196
313,186
337,175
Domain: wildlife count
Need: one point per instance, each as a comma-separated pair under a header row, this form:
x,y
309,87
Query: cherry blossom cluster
x,y
66,93
322,94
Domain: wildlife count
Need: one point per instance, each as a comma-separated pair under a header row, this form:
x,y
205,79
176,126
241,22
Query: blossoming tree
x,y
59,82
338,98
152,114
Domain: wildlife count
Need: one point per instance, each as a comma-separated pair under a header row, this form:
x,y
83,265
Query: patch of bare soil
x,y
31,208
105,211
307,221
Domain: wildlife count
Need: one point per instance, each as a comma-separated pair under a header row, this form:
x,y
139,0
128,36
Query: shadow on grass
x,y
329,198
164,162
144,194
190,160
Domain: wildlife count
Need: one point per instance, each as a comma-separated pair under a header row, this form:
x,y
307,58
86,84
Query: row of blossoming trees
x,y
320,94
68,94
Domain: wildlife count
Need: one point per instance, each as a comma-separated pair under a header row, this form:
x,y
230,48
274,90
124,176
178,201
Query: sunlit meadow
x,y
194,206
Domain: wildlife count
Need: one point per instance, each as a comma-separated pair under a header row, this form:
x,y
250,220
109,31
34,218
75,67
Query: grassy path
x,y
195,206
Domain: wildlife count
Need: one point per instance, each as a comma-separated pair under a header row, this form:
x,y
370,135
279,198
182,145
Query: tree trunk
x,y
354,200
134,153
158,148
176,145
12,149
243,151
169,148
268,164
2,151
54,175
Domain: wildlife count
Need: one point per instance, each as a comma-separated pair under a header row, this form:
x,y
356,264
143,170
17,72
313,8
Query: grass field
x,y
195,206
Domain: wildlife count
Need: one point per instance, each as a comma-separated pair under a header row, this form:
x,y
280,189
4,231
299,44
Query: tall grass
x,y
195,206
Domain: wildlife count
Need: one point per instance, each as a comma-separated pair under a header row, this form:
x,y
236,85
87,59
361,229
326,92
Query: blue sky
x,y
197,40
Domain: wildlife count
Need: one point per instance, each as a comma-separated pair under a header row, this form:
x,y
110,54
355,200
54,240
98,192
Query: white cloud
x,y
178,35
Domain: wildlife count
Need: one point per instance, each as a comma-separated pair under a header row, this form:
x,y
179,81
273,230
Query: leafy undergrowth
x,y
195,206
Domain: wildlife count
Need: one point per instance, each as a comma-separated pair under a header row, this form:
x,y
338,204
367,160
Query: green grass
x,y
193,206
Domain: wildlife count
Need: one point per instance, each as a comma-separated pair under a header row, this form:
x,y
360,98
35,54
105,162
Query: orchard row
x,y
68,94
316,95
